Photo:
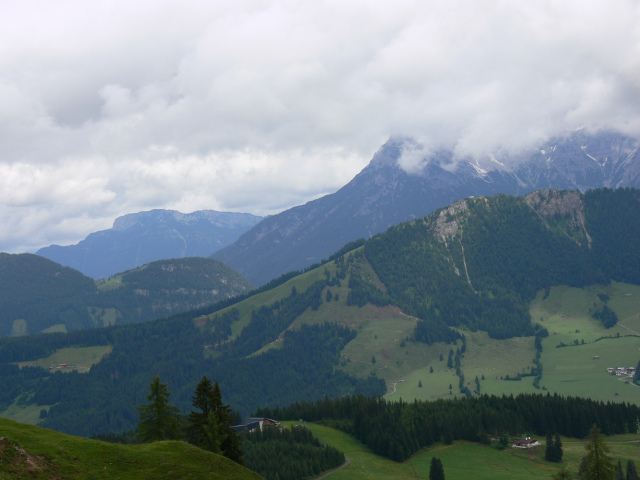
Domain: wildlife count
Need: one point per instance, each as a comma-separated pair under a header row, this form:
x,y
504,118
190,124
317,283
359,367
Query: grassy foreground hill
x,y
33,452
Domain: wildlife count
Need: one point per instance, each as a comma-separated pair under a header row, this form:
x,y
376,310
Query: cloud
x,y
258,105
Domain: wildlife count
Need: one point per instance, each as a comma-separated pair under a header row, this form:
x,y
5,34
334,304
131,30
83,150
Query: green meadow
x,y
110,283
19,327
574,369
464,460
75,358
414,370
301,282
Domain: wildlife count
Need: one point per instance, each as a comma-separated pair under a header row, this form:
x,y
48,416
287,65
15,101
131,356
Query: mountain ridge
x,y
384,194
38,294
143,237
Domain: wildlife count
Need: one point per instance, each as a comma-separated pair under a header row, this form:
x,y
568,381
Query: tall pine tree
x,y
436,470
158,420
631,471
597,463
202,423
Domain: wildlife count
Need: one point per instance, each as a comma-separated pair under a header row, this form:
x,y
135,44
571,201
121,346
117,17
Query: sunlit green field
x,y
464,460
76,358
573,370
302,282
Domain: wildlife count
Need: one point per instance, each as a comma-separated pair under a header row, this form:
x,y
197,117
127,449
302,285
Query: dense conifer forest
x,y
288,454
398,429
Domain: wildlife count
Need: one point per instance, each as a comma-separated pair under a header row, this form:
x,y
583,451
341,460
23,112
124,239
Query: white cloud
x,y
111,107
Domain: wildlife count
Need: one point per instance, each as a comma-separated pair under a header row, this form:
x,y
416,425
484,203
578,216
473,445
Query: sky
x,y
110,107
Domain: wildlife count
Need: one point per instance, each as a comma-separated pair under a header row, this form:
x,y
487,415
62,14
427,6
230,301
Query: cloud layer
x,y
111,107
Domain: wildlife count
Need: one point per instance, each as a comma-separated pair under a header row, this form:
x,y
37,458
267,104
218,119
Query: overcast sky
x,y
113,107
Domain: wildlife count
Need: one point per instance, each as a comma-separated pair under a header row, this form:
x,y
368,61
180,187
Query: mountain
x,y
384,194
36,293
39,295
32,452
139,238
517,292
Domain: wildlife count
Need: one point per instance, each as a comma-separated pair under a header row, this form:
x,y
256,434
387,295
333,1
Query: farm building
x,y
526,443
254,423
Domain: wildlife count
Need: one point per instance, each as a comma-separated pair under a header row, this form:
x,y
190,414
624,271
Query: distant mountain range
x,y
38,295
384,194
140,238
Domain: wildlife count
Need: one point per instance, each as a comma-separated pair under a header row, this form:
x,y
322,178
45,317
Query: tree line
x,y
397,430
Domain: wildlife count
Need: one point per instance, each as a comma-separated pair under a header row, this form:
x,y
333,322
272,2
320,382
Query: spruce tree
x,y
631,471
619,471
597,463
558,452
202,423
209,425
158,420
231,441
436,471
561,474
549,450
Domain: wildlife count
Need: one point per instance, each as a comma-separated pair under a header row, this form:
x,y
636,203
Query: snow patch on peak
x,y
478,168
493,158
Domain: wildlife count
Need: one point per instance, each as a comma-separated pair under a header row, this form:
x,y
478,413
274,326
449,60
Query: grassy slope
x,y
464,460
47,454
572,370
568,371
301,282
77,358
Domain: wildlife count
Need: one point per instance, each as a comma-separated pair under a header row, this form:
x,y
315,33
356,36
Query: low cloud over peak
x,y
116,107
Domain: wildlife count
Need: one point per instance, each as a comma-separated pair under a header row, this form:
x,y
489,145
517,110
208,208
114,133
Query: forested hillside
x,y
471,268
36,293
479,262
39,295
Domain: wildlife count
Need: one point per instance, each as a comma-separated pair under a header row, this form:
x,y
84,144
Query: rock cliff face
x,y
384,194
140,238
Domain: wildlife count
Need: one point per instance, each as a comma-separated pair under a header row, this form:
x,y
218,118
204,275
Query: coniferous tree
x,y
548,451
436,470
597,463
450,359
557,446
209,426
553,451
561,474
158,420
631,471
202,424
231,442
619,472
